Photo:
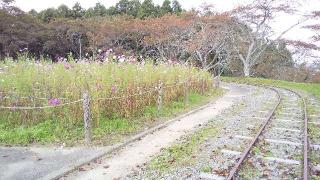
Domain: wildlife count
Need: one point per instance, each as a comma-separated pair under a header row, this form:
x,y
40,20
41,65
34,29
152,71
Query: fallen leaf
x,y
81,169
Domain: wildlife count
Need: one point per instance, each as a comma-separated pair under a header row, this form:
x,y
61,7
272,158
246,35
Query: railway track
x,y
280,144
264,136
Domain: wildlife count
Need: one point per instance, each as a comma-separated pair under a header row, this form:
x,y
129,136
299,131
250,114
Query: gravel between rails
x,y
278,153
215,157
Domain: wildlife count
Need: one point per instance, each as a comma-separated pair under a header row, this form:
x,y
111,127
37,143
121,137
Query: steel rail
x,y
255,139
305,138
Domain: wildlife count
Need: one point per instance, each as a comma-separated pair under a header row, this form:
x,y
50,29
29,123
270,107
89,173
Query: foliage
x,y
43,84
108,130
123,7
28,84
166,7
210,40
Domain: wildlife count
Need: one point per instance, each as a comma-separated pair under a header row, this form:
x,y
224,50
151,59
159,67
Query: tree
x,y
277,60
63,11
165,38
77,11
89,13
20,32
128,7
6,3
166,7
313,43
111,11
176,6
209,43
252,32
147,9
33,13
99,10
48,15
122,6
134,7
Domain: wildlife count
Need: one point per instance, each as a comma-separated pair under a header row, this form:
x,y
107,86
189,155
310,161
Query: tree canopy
x,y
208,40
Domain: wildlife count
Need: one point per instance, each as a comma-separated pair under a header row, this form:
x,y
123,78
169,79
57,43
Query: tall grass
x,y
116,89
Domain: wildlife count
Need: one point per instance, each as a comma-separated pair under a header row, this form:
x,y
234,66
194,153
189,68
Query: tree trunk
x,y
246,70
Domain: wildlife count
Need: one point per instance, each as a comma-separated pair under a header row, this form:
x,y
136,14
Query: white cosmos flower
x,y
122,59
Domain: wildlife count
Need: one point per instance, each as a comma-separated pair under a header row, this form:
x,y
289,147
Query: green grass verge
x,y
106,131
313,88
183,153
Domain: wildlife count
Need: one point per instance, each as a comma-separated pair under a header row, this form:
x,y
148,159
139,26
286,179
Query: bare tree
x,y
209,44
252,34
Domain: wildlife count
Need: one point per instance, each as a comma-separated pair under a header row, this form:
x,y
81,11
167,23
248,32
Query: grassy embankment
x,y
312,88
27,84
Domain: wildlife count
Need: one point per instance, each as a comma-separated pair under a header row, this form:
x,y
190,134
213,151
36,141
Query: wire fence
x,y
150,90
86,99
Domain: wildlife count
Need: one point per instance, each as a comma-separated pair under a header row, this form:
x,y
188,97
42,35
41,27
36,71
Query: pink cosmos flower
x,y
114,89
67,66
54,102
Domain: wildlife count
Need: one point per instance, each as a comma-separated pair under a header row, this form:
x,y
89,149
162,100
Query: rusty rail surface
x,y
305,137
244,155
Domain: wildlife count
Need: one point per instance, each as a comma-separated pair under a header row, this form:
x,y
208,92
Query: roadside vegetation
x,y
312,88
183,154
41,101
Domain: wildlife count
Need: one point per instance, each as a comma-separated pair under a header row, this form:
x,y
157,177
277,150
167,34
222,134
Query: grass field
x,y
312,88
123,99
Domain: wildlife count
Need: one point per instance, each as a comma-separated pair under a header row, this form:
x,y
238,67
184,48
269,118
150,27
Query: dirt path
x,y
121,163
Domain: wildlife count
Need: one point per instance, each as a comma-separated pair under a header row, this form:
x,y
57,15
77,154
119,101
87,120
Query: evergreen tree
x,y
122,6
128,7
33,13
111,11
134,6
47,15
63,11
147,9
99,10
166,7
90,13
176,6
77,11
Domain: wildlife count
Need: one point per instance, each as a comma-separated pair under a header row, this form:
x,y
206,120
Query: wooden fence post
x,y
186,93
202,86
160,93
87,118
